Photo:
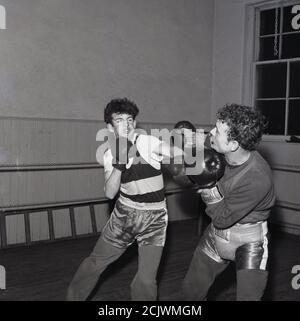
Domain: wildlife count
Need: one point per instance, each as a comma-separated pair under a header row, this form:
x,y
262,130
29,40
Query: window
x,y
277,67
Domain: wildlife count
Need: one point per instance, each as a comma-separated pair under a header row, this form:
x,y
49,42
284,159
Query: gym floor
x,y
42,272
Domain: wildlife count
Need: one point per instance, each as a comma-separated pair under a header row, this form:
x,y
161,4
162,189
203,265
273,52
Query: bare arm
x,y
112,183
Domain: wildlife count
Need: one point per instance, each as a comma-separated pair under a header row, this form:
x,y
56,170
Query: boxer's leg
x,y
114,240
200,276
206,264
252,276
151,240
144,285
251,284
90,270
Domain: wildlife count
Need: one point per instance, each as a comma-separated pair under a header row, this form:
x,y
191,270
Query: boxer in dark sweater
x,y
239,206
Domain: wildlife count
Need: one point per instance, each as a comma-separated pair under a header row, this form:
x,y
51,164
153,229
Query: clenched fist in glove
x,y
121,148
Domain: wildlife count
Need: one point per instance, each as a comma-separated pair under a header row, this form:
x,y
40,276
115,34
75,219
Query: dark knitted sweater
x,y
248,194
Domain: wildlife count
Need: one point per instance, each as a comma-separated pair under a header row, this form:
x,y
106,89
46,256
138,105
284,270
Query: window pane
x,y
274,112
291,45
267,50
295,79
267,22
294,117
271,80
287,19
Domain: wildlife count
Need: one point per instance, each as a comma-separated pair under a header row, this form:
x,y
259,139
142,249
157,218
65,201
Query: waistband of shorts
x,y
247,226
143,206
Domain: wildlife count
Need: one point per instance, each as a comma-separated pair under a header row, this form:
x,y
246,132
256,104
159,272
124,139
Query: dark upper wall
x,y
67,58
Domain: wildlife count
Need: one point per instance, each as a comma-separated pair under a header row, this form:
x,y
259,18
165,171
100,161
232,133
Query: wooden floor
x,y
42,272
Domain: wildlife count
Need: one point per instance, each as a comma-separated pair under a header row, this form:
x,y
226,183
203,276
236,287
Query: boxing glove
x,y
120,149
202,172
211,167
206,182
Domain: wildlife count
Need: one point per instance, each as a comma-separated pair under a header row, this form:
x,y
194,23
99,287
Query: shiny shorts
x,y
127,224
246,244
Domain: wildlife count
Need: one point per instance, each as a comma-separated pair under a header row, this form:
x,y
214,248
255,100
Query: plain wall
x,y
68,58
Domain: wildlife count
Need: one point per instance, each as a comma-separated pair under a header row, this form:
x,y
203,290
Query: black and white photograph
x,y
149,152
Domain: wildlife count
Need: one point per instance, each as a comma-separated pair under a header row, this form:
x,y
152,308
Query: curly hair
x,y
120,106
246,124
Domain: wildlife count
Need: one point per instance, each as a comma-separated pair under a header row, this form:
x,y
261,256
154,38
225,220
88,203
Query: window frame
x,y
251,52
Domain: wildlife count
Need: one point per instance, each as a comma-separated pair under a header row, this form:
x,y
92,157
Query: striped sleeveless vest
x,y
142,185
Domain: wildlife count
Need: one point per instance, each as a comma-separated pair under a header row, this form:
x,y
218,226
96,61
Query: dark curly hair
x,y
246,124
120,106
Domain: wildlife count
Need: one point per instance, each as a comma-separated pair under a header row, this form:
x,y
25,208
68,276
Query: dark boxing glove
x,y
120,148
211,168
201,168
203,171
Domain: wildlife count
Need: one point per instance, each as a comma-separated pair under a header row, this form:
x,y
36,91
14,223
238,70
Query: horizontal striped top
x,y
142,185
